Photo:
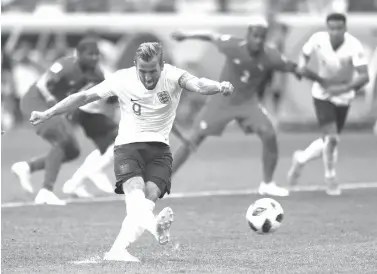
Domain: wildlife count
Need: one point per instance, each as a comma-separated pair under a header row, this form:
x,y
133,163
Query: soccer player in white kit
x,y
344,69
148,95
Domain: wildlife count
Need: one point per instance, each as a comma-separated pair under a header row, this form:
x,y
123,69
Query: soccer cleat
x,y
122,255
272,189
295,171
22,171
333,188
46,197
164,220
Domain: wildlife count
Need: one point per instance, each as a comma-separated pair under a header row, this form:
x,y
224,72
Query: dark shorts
x,y
150,160
98,127
214,117
55,130
329,113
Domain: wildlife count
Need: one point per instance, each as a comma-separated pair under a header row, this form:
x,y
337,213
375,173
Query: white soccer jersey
x,y
146,115
339,64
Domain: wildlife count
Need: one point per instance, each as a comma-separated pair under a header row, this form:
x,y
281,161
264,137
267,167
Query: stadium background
x,y
55,26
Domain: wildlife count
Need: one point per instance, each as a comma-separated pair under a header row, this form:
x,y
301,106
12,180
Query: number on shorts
x,y
245,76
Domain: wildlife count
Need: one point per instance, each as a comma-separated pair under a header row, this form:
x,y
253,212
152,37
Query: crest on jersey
x,y
164,97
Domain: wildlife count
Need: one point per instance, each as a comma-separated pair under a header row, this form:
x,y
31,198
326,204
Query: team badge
x,y
164,97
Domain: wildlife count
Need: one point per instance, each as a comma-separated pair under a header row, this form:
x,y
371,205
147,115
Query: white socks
x,y
92,168
81,173
139,217
143,208
319,148
329,158
313,151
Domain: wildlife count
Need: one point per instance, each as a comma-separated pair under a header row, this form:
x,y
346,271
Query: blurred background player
x,y
99,122
340,56
148,94
249,67
67,75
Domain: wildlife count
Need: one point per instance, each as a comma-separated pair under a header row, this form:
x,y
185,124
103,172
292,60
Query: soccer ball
x,y
265,215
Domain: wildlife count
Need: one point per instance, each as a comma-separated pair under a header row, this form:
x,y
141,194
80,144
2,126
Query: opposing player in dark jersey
x,y
66,76
249,67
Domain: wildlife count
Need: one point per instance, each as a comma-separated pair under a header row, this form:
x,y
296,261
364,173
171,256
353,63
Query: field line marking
x,y
303,188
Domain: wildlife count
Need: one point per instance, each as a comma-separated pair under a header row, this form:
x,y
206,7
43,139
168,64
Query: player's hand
x,y
38,117
226,88
178,36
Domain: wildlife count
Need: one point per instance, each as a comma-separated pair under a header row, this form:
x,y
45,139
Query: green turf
x,y
320,234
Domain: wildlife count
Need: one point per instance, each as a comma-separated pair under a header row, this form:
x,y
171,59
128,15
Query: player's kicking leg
x,y
140,196
256,120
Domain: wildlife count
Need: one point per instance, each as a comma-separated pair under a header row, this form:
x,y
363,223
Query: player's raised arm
x,y
203,85
73,102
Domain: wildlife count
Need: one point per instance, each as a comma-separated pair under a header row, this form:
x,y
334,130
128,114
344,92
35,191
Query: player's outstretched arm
x,y
300,70
68,104
199,35
204,86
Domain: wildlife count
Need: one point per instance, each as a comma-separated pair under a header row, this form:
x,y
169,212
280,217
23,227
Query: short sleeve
x,y
58,70
174,74
358,55
308,47
226,44
103,90
108,87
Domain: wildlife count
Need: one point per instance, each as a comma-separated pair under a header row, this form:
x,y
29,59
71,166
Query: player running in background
x,y
249,67
98,122
67,75
339,56
148,95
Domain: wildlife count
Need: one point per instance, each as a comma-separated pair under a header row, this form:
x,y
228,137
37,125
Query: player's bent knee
x,y
71,150
153,192
134,183
267,134
331,139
